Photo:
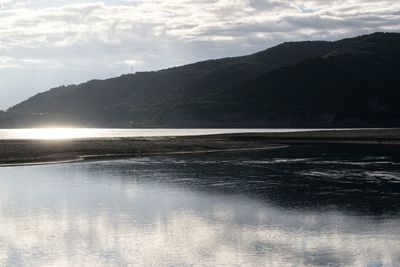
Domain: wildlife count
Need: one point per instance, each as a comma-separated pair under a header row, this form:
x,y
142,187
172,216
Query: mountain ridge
x,y
294,84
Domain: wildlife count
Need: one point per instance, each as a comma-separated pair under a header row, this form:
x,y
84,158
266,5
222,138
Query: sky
x,y
48,43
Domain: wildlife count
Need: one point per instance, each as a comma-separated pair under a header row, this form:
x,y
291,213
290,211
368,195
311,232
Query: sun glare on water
x,y
55,133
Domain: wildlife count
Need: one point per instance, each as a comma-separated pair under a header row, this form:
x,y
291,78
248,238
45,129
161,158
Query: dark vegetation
x,y
348,83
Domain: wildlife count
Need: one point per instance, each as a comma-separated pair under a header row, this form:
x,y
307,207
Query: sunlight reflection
x,y
55,133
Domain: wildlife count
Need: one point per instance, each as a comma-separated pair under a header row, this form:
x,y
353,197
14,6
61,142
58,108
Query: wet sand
x,y
16,152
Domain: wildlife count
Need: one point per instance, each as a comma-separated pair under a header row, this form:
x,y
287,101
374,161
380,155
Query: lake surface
x,y
295,206
73,133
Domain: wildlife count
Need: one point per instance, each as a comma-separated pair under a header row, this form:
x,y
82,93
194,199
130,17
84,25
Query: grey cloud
x,y
268,5
102,38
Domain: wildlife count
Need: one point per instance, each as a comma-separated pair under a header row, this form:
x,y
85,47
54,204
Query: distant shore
x,y
25,152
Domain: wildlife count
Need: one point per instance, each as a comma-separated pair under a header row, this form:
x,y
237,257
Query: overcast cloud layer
x,y
46,43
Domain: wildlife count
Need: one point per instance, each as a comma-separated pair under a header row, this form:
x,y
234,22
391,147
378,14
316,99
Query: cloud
x,y
145,25
111,34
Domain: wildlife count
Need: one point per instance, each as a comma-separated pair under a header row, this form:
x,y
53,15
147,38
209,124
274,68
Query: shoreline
x,y
125,156
41,152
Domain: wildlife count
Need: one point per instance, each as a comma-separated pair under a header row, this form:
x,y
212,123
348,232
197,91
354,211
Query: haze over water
x,y
299,205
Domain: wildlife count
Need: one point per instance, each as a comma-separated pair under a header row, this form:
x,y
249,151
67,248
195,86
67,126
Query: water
x,y
74,133
296,206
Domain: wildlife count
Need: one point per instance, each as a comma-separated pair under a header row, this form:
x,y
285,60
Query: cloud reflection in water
x,y
159,211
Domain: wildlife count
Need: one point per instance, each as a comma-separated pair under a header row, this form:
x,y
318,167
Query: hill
x,y
347,83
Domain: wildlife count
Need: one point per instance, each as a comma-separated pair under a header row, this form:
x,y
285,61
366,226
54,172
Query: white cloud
x,y
106,34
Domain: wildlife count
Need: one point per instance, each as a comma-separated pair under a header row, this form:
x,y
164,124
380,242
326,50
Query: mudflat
x,y
46,151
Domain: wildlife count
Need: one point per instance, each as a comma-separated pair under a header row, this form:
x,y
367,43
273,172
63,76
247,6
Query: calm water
x,y
293,206
72,133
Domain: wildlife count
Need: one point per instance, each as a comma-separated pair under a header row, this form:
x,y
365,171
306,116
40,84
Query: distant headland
x,y
347,83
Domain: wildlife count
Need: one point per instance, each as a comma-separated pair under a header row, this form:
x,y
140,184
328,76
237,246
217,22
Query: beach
x,y
19,152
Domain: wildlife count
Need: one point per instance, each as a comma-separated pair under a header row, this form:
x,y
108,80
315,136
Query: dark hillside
x,y
348,83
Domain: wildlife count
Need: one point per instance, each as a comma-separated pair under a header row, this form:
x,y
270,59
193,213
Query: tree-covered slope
x,y
355,85
348,83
